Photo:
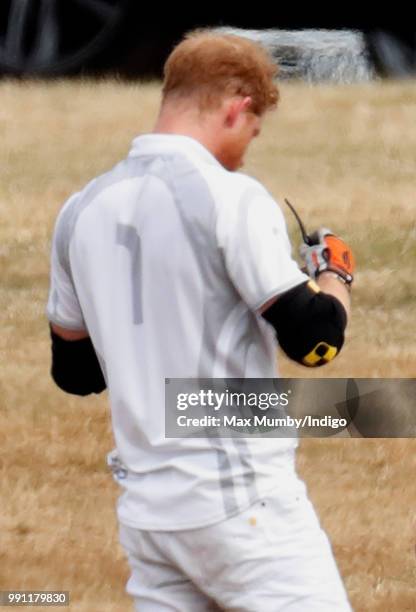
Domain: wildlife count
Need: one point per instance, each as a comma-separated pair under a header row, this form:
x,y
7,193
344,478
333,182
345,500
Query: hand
x,y
328,253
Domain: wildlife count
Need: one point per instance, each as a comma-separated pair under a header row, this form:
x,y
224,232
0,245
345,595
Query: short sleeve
x,y
63,307
256,247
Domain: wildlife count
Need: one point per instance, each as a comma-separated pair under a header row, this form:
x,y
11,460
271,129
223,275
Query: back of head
x,y
210,66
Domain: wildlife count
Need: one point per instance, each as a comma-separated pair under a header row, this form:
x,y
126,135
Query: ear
x,y
235,108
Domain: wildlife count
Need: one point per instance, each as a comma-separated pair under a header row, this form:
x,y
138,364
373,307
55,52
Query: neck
x,y
188,122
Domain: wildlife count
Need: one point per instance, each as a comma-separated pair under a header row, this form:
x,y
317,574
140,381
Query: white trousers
x,y
272,557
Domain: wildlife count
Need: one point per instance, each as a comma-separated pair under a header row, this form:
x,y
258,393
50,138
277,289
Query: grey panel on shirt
x,y
196,207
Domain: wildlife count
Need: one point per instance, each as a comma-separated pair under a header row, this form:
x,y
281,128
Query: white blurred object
x,y
338,56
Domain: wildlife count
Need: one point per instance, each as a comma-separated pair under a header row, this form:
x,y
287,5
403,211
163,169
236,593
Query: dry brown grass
x,y
345,157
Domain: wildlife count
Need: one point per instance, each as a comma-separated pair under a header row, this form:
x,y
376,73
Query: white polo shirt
x,y
164,260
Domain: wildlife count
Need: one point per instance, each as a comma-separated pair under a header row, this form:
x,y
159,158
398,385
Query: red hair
x,y
213,66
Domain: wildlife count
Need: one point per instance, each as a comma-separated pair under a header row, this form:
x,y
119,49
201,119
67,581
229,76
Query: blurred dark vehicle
x,y
128,37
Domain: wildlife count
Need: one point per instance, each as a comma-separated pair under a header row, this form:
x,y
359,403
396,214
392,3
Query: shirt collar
x,y
154,144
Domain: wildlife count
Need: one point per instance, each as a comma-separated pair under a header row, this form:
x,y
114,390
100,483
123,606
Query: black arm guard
x,y
75,367
309,324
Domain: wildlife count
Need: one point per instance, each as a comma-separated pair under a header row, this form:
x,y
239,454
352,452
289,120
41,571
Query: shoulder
x,y
232,188
244,206
73,207
239,196
65,215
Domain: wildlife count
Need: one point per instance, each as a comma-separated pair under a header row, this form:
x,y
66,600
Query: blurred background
x,y
57,37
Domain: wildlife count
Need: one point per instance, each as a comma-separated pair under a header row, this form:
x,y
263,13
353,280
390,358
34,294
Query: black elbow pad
x,y
75,367
309,324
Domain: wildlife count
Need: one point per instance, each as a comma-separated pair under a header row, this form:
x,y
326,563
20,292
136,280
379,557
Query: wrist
x,y
342,275
346,282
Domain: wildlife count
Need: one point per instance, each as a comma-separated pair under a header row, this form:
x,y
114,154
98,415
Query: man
x,y
173,264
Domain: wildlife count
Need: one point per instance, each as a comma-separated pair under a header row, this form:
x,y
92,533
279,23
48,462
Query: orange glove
x,y
328,253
